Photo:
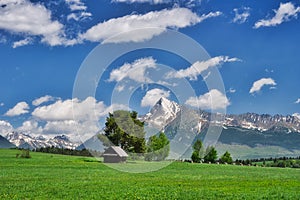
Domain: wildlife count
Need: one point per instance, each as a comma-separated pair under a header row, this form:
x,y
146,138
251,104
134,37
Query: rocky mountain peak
x,y
162,113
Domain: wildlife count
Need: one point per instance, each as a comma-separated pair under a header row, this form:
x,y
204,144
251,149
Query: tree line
x,y
291,162
210,156
70,152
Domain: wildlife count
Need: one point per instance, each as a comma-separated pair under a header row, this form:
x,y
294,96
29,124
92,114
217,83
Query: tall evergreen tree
x,y
211,154
226,158
123,129
196,155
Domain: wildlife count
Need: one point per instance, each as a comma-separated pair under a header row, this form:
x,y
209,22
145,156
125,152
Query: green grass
x,y
47,176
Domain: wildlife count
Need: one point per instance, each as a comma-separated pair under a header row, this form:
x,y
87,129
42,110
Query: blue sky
x,y
253,45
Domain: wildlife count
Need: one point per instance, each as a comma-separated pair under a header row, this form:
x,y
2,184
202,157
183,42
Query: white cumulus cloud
x,y
134,71
285,12
31,127
63,110
24,17
241,15
152,96
5,127
74,129
257,85
200,66
43,99
65,127
213,100
163,19
73,117
298,100
82,110
19,109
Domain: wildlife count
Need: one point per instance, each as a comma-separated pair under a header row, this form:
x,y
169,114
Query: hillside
x,y
92,143
4,143
47,176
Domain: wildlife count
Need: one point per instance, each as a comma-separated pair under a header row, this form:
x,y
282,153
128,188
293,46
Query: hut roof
x,y
117,151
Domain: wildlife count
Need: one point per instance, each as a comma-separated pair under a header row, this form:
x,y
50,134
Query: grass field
x,y
47,176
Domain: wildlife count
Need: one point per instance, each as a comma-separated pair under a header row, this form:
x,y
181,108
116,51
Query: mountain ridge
x,y
27,141
159,116
256,132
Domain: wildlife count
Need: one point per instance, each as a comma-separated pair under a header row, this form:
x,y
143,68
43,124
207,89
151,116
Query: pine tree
x,y
196,155
226,158
211,154
123,129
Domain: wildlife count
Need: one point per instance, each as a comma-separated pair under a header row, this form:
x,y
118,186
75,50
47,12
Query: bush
x,y
158,148
195,157
25,153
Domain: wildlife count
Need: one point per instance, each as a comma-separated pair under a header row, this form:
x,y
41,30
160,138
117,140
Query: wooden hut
x,y
114,154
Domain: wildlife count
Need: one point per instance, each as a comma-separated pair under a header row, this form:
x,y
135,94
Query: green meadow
x,y
48,176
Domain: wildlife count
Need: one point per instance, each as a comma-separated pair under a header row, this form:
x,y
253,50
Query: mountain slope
x,y
5,144
94,143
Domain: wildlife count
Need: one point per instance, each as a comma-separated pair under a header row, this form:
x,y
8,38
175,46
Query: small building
x,y
114,154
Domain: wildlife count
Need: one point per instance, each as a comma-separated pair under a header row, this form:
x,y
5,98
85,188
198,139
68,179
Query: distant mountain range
x,y
247,135
166,111
26,141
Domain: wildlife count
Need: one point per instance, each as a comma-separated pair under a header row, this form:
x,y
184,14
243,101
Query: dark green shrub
x,y
25,153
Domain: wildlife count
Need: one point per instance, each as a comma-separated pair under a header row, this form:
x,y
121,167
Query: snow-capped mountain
x,y
162,113
166,111
264,122
247,135
23,140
